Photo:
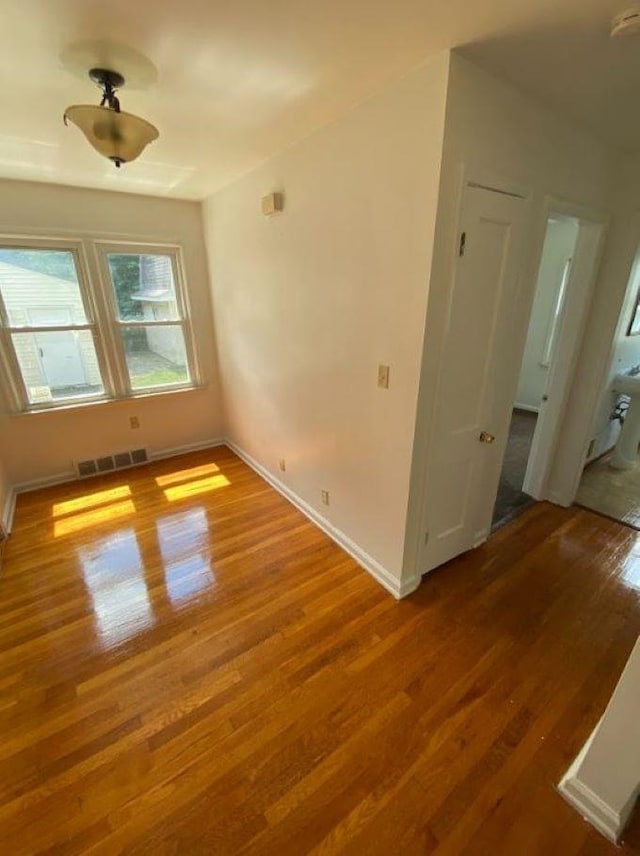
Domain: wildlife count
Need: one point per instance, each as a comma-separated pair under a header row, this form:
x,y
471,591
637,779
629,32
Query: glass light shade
x,y
121,137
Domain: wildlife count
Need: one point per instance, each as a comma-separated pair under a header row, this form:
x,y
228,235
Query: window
x,y
149,317
90,321
48,328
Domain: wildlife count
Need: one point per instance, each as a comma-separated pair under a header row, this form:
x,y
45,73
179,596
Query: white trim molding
x,y
603,782
527,407
46,481
398,588
175,451
8,511
594,810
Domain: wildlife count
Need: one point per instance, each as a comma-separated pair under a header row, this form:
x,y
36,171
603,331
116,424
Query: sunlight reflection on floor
x,y
184,546
114,574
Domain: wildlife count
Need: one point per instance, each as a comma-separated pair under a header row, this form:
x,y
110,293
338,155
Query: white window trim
x,y
101,312
101,250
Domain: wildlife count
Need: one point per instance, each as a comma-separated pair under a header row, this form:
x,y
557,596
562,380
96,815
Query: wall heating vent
x,y
107,463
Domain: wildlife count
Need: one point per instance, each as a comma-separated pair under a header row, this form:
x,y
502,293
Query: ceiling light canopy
x,y
119,136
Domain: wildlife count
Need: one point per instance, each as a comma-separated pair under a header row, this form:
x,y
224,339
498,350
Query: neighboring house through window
x,y
68,336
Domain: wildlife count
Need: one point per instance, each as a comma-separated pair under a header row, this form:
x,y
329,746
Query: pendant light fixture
x,y
119,136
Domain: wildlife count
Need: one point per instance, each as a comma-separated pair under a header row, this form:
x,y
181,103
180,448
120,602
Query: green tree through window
x,y
125,275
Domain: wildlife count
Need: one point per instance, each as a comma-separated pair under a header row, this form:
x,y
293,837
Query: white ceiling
x,y
240,81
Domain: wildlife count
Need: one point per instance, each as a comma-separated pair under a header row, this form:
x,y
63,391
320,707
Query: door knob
x,y
486,437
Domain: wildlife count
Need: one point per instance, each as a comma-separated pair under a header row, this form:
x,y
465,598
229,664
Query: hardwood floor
x,y
188,666
611,492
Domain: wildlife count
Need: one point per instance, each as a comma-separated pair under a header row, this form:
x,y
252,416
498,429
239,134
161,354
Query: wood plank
x,y
209,673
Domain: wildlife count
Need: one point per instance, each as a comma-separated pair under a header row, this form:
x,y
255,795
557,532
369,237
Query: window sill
x,y
101,402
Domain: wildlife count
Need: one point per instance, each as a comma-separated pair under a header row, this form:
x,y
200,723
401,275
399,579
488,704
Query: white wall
x,y
44,445
559,244
501,137
604,781
309,301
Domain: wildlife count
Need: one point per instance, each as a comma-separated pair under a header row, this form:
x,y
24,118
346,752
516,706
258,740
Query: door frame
x,y
589,402
569,338
538,209
490,181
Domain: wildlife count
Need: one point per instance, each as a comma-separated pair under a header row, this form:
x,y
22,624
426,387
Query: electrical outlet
x,y
134,422
324,495
282,464
383,377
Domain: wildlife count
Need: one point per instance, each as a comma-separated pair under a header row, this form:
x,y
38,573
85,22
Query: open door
x,y
565,350
475,386
530,418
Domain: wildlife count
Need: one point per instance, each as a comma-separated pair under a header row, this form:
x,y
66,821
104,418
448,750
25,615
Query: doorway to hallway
x,y
541,349
495,314
512,500
610,482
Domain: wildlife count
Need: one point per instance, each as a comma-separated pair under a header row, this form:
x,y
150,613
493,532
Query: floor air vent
x,y
123,459
107,463
87,468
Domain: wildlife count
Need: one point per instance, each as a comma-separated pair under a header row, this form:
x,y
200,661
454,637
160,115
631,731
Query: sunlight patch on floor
x,y
115,577
89,500
187,475
104,514
193,488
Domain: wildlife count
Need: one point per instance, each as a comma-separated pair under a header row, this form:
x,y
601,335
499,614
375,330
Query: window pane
x,y
58,365
144,286
40,288
155,356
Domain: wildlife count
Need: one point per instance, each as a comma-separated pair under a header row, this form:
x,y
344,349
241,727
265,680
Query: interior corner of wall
x,y
444,58
457,62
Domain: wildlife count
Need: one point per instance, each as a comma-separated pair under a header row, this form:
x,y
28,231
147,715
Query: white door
x,y
477,378
58,350
61,360
568,339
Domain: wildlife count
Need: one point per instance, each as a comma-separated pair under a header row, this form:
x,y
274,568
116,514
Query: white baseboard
x,y
592,808
7,513
174,451
397,588
47,481
527,407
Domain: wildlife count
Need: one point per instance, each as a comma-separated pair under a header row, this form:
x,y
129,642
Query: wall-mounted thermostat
x,y
271,203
